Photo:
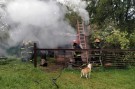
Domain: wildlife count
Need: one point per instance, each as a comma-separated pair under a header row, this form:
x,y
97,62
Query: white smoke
x,y
42,21
2,52
78,6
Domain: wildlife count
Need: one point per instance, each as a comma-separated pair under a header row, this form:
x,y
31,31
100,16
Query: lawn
x,y
18,75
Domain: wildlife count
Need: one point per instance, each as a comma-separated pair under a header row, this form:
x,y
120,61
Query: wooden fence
x,y
100,57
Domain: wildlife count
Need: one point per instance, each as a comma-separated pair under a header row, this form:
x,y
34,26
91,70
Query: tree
x,y
72,17
122,12
110,37
118,39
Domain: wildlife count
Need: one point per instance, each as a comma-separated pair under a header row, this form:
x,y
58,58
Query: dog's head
x,y
89,65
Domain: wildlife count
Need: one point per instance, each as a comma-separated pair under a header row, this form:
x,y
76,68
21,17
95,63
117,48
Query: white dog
x,y
86,71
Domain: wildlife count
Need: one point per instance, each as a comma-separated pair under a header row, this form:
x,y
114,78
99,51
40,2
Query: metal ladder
x,y
82,39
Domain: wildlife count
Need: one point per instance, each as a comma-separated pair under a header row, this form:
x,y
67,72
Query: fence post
x,y
35,55
90,55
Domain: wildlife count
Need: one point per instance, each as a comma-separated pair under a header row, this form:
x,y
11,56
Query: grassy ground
x,y
18,75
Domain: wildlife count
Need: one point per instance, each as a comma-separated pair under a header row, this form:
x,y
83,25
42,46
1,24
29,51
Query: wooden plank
x,y
35,55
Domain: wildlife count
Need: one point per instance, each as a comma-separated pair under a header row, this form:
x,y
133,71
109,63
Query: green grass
x,y
18,75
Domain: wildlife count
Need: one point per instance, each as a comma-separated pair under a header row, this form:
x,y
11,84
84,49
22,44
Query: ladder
x,y
82,39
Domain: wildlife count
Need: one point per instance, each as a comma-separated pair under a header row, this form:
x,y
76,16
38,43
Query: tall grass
x,y
18,75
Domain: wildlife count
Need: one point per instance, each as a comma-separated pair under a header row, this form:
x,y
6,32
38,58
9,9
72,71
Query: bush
x,y
118,39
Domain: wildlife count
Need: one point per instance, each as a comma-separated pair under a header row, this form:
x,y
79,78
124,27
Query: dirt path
x,y
52,67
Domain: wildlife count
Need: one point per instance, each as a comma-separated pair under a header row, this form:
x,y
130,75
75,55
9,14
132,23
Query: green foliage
x,y
107,15
110,36
118,39
119,11
132,40
72,18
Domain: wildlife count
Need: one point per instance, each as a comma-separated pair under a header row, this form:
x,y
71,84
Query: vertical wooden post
x,y
90,54
65,57
35,55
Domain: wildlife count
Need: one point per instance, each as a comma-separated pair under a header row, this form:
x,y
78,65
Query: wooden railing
x,y
114,57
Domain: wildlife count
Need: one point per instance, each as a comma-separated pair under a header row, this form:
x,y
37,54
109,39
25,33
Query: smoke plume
x,y
78,6
42,21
